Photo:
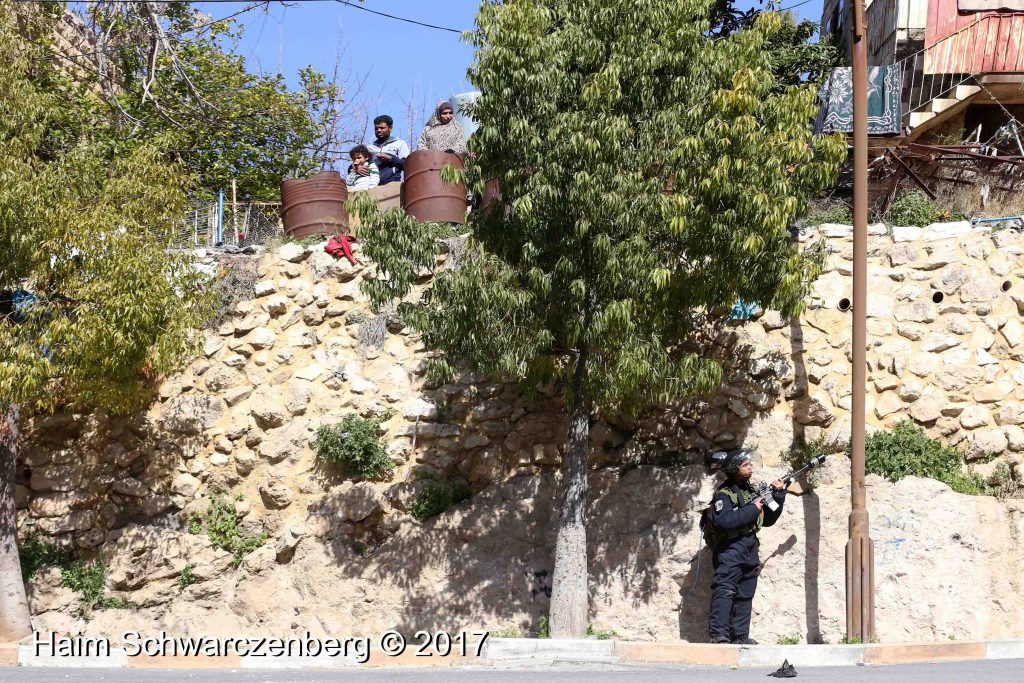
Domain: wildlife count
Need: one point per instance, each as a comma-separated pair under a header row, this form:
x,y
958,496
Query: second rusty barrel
x,y
315,205
425,196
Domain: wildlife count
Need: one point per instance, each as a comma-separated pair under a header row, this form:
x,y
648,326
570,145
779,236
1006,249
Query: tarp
x,y
836,95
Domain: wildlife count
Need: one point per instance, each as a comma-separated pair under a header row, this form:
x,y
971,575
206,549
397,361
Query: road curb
x,y
506,652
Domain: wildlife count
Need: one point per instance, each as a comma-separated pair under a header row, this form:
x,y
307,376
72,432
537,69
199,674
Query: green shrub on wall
x,y
907,451
355,444
916,208
221,525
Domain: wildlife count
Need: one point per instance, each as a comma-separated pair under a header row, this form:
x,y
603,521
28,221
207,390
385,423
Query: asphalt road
x,y
961,672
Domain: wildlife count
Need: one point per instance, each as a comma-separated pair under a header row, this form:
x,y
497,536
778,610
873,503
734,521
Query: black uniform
x,y
735,559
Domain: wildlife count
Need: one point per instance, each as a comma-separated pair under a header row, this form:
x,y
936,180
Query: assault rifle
x,y
764,492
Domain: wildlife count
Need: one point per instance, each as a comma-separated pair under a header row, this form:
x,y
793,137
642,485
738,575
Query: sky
x,y
401,62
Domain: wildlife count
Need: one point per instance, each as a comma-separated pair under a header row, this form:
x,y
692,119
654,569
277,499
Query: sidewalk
x,y
511,651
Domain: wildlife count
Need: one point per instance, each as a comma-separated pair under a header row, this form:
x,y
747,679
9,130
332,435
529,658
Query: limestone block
x,y
915,312
880,305
429,430
351,502
942,231
264,288
974,416
237,394
251,322
297,397
310,372
922,364
1010,414
52,504
90,538
288,442
46,592
979,289
77,520
940,255
265,407
130,487
212,344
927,409
937,342
220,378
185,485
419,408
953,277
911,331
193,414
319,263
300,337
156,505
985,442
906,233
911,390
1012,332
261,338
991,393
22,497
1015,438
275,493
292,252
887,404
901,254
233,360
245,461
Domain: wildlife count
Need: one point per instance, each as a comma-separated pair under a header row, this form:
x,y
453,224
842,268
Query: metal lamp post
x,y
860,557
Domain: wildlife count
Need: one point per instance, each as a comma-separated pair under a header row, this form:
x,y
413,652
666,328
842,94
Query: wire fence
x,y
241,225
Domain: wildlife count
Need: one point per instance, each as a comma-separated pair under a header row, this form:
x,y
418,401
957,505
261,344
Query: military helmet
x,y
715,460
732,463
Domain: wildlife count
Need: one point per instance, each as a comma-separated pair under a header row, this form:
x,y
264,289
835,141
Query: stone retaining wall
x,y
241,419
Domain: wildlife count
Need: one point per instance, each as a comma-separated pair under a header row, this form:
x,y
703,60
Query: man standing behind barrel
x,y
389,152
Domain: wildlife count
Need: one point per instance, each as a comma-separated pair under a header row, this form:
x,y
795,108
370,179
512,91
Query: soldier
x,y
731,533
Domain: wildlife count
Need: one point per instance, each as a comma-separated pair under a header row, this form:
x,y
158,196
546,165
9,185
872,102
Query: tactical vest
x,y
715,537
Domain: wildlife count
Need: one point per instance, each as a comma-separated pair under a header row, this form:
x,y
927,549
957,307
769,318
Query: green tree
x,y
796,57
587,271
110,307
167,71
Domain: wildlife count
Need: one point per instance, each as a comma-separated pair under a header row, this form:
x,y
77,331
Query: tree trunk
x,y
15,620
570,592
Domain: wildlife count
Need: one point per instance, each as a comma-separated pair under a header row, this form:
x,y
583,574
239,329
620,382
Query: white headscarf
x,y
443,136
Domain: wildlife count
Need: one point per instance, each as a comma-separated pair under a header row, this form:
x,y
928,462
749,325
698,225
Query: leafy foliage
x,y
355,444
35,553
86,235
600,635
187,577
181,78
221,524
110,602
437,496
802,450
836,213
916,208
584,249
544,629
648,176
908,451
88,579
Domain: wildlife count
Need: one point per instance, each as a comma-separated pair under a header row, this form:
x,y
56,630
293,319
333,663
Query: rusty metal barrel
x,y
314,206
425,196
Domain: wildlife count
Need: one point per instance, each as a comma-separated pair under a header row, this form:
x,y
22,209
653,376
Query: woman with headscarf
x,y
443,133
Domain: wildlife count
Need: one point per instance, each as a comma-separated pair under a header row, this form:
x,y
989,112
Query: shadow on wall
x,y
493,559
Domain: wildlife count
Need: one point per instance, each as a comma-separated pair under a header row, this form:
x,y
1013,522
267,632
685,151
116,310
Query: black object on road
x,y
787,670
